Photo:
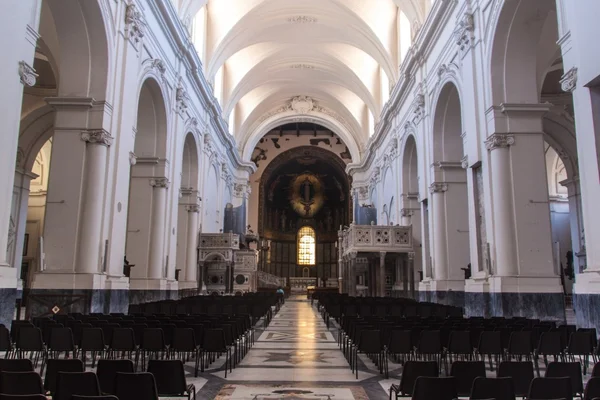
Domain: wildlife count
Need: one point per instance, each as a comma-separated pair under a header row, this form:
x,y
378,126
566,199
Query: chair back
x,y
214,340
92,339
23,397
30,339
430,388
28,382
55,366
79,383
520,371
123,339
413,370
107,371
493,388
550,388
465,373
592,389
169,376
135,386
570,369
15,365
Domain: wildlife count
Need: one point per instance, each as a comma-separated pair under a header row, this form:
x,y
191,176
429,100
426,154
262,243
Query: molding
x,y
193,208
97,136
499,141
302,19
27,74
70,102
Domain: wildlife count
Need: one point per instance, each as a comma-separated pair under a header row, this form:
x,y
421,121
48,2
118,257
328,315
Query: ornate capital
x,y
135,27
418,108
464,31
181,101
27,74
406,212
438,187
193,208
411,255
568,82
362,192
159,182
159,65
499,140
97,136
464,162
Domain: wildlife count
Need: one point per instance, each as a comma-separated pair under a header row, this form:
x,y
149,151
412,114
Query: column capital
x,y
193,208
568,82
27,74
407,212
411,255
438,187
159,182
97,136
499,141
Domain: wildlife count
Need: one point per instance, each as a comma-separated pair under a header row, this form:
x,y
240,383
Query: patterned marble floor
x,y
296,357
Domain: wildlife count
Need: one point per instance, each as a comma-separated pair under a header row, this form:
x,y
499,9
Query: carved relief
x,y
568,82
464,31
302,19
181,101
499,140
438,187
135,27
97,136
159,182
27,74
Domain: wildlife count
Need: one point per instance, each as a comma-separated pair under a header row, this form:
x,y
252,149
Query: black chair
x,y
596,369
123,341
55,366
550,344
153,344
136,386
570,369
92,340
430,346
23,397
429,388
370,343
465,372
76,383
214,343
61,339
490,344
520,371
6,343
400,345
519,346
107,371
28,382
16,365
550,389
184,344
459,345
30,340
104,397
493,388
169,376
580,344
592,389
411,371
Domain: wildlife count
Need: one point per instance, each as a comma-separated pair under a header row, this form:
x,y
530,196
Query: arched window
x,y
306,246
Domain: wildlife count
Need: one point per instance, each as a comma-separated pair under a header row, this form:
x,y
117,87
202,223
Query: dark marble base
x,y
40,302
587,310
545,306
8,297
449,298
147,296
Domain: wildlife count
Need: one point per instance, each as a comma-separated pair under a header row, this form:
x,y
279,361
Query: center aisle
x,y
298,355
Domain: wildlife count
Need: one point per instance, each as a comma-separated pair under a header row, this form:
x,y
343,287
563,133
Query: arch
x,y
152,124
517,28
250,140
85,56
410,166
35,130
190,165
447,125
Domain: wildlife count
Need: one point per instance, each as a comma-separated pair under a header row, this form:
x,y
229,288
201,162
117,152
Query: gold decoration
x,y
306,195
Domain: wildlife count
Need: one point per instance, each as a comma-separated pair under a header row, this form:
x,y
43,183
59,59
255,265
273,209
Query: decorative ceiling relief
x,y
302,19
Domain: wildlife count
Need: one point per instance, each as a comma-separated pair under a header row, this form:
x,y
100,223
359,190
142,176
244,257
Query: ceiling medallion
x,y
302,19
302,104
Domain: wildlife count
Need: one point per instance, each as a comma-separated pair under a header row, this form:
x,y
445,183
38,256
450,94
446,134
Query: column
x,y
381,281
202,274
191,263
90,230
440,259
340,278
501,182
410,266
398,281
352,275
159,206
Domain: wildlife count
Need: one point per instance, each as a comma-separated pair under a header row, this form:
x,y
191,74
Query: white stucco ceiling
x,y
259,54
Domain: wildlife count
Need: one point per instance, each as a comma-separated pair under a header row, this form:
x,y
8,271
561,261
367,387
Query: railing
x,y
266,280
373,238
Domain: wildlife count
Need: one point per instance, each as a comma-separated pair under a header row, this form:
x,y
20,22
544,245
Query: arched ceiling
x,y
260,54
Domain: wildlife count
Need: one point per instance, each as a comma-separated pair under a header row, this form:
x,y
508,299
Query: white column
x,y
90,232
381,277
157,233
192,234
504,228
440,259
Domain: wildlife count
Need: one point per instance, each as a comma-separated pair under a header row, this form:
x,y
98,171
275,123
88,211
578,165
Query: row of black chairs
x,y
66,378
421,381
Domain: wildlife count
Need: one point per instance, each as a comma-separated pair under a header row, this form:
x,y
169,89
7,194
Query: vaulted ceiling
x,y
340,58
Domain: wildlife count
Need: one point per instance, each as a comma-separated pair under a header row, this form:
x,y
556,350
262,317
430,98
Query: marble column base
x,y
137,296
7,305
544,306
40,302
586,307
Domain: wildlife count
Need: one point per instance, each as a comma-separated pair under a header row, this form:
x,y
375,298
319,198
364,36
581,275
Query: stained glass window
x,y
306,246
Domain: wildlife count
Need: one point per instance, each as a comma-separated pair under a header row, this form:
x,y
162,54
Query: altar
x,y
301,285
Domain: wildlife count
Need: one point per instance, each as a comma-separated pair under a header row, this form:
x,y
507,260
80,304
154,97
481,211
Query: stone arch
x,y
517,37
447,126
152,120
410,166
190,163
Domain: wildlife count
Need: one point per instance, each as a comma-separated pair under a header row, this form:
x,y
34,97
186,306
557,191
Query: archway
x,y
303,189
146,217
412,214
449,197
187,216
